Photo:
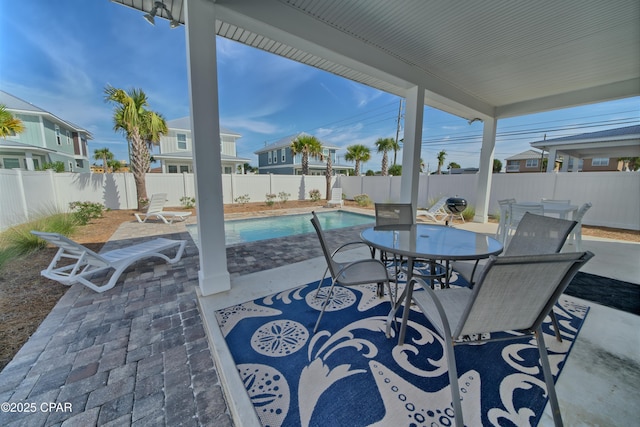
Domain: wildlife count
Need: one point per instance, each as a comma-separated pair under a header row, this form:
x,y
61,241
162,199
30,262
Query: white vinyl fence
x,y
25,195
615,195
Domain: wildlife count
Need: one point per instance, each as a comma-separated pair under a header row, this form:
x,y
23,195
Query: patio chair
x,y
556,201
513,295
154,210
535,235
87,263
436,212
351,273
575,238
393,214
505,210
516,212
336,197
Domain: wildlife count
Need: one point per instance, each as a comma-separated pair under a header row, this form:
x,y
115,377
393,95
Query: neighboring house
x,y
593,151
46,139
176,149
528,161
277,159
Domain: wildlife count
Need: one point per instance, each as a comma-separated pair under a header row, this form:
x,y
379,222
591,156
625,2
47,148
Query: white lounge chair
x,y
89,263
436,212
336,197
154,210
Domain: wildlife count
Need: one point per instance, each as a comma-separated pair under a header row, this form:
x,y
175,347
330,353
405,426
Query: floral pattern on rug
x,y
349,373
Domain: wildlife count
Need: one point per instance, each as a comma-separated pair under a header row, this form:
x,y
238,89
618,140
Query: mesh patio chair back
x,y
350,273
556,201
576,234
539,234
518,292
505,210
393,213
517,211
513,294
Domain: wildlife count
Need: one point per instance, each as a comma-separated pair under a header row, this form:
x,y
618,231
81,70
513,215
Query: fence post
x,y
54,187
23,196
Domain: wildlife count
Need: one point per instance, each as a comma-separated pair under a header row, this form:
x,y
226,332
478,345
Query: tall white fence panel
x,y
615,195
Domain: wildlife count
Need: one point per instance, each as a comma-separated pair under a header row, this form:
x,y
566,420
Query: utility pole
x,y
395,152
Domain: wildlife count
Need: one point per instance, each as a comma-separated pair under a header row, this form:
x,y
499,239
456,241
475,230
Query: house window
x,y
11,163
599,161
182,141
228,170
269,157
68,138
274,154
283,153
70,166
532,163
184,169
58,140
173,169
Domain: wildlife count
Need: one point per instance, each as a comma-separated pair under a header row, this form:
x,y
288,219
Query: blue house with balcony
x,y
278,159
46,139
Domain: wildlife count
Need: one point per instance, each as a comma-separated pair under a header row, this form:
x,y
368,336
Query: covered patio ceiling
x,y
486,60
475,59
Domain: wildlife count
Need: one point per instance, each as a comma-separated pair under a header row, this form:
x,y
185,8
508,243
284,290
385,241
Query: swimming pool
x,y
254,229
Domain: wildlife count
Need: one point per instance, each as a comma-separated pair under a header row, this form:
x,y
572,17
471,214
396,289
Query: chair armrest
x,y
346,245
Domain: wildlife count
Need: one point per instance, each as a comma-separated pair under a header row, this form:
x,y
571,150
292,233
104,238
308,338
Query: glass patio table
x,y
428,242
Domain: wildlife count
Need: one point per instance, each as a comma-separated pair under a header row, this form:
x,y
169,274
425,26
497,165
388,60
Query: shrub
x,y
284,196
18,240
315,194
271,199
362,200
469,213
188,202
83,212
243,200
55,166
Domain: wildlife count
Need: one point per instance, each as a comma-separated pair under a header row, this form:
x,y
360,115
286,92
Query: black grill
x,y
456,205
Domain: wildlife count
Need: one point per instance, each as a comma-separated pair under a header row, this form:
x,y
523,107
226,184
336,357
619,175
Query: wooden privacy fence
x,y
24,195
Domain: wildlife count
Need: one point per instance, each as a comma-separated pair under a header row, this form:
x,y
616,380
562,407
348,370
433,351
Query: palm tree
x,y
141,127
396,148
328,173
105,155
9,125
114,165
307,145
441,155
357,153
384,145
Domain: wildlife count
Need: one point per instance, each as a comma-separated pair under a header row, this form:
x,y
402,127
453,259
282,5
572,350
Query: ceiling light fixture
x,y
150,17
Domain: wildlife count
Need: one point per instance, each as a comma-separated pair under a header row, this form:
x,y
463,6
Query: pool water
x,y
251,230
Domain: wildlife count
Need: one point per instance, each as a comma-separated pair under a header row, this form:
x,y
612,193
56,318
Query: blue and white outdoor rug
x,y
350,374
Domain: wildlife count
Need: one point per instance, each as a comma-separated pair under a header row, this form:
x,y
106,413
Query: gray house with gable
x,y
278,159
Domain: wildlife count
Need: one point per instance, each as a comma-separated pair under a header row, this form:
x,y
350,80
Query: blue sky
x,y
59,55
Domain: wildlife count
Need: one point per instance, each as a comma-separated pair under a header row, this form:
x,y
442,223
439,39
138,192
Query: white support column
x,y
486,170
414,113
203,88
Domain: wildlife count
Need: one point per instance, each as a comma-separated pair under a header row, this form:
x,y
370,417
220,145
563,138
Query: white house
x,y
176,149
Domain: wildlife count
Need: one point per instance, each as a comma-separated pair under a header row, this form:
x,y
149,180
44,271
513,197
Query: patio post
x,y
410,178
486,170
207,162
